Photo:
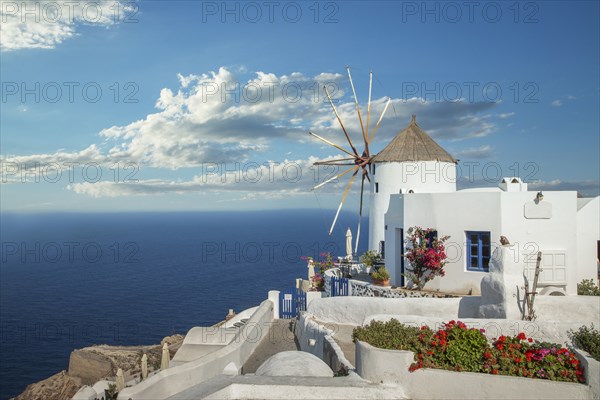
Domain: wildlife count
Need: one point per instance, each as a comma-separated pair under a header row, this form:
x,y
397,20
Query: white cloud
x,y
218,117
475,152
506,115
588,188
34,24
269,179
557,103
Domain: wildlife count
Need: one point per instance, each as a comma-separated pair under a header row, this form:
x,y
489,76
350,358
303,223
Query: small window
x,y
382,248
376,187
374,168
431,236
478,251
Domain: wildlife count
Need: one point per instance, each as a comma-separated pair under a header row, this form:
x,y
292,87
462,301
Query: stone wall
x,y
367,289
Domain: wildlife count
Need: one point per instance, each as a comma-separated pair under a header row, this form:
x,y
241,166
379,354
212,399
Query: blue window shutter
x,y
478,243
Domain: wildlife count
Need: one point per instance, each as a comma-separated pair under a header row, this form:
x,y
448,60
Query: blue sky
x,y
505,85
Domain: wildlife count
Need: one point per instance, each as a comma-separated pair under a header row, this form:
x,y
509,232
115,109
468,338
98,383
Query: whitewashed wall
x,y
500,213
421,177
588,233
174,380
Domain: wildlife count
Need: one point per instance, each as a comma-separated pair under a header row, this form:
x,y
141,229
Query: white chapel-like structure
x,y
414,184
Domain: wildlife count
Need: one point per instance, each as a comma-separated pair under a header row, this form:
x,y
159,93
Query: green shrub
x,y
587,339
465,349
391,335
458,348
370,258
382,274
587,287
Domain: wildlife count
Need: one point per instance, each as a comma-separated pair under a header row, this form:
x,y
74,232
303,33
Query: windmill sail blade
x,y
333,178
356,103
369,108
380,118
362,190
331,144
340,121
335,162
343,199
367,176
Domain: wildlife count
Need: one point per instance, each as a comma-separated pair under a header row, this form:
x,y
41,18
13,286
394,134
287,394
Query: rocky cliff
x,y
91,364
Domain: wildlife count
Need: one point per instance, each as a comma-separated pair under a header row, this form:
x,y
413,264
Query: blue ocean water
x,y
73,280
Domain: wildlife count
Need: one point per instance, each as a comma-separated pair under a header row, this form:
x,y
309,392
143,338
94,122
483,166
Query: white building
x,y
414,184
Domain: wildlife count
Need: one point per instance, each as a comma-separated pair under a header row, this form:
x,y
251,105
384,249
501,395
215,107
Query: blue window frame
x,y
478,250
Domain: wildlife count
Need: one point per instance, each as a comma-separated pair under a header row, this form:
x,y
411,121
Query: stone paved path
x,y
280,338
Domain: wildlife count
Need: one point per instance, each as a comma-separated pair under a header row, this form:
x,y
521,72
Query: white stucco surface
x,y
567,312
564,237
354,310
588,234
294,363
393,178
239,317
181,377
301,388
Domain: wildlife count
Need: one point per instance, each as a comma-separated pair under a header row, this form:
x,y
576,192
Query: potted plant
x,y
381,277
371,258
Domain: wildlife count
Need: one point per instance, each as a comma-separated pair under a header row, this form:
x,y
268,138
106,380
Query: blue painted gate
x,y
291,303
339,286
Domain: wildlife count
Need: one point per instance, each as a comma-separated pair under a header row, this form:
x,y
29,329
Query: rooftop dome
x,y
413,144
294,363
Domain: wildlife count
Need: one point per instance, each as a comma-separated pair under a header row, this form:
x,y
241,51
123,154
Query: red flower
x,y
423,328
530,340
500,346
521,336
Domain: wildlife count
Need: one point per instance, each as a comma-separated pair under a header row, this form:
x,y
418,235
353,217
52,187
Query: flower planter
x,y
391,367
379,282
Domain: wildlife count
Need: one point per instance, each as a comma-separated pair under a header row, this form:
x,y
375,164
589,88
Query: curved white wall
x,y
391,178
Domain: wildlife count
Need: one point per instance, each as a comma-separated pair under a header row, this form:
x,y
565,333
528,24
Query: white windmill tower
x,y
411,163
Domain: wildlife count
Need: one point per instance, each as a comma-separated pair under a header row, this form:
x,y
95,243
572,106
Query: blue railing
x,y
339,286
291,303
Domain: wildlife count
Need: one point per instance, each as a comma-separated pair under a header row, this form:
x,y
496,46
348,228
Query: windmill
x,y
356,163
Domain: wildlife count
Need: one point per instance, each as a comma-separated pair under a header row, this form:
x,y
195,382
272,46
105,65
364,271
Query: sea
x,y
71,280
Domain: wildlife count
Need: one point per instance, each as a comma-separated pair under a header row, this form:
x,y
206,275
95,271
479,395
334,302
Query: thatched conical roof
x,y
413,144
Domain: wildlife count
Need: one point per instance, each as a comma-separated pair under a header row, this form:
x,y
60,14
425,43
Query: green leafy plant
x,y
111,393
587,287
458,348
382,274
371,258
391,335
587,339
